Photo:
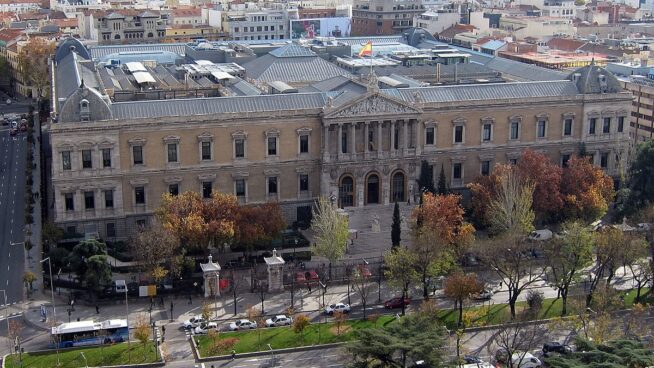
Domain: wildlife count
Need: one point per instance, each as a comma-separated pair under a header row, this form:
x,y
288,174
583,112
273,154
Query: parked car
x,y
485,294
471,359
478,365
204,328
396,302
242,324
193,322
338,307
300,278
312,276
364,271
525,360
540,235
280,320
556,347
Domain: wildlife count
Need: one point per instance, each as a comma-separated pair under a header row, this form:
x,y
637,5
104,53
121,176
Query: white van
x,y
525,360
120,286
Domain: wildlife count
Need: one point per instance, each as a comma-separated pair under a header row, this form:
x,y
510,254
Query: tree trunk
x,y
638,289
425,289
460,313
564,302
363,301
404,295
330,270
512,301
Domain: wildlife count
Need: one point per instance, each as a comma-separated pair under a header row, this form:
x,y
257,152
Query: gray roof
x,y
478,92
337,83
302,69
217,105
67,76
291,50
243,88
375,39
589,80
98,52
524,72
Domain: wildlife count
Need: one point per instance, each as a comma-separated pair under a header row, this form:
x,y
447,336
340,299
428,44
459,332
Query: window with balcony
x,y
89,200
65,160
109,198
106,157
87,160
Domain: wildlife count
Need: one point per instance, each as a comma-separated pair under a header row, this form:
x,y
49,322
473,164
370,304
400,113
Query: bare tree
x,y
516,339
511,209
642,273
331,232
362,285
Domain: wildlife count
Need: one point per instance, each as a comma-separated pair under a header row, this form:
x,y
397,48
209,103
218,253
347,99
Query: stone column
x,y
326,156
405,137
392,136
380,129
339,139
354,140
418,144
366,134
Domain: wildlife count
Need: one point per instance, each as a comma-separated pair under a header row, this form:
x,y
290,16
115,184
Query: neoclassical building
x,y
112,161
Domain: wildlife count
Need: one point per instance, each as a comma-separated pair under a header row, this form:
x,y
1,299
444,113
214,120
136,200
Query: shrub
x,y
535,300
222,346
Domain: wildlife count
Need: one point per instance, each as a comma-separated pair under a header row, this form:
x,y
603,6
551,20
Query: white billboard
x,y
320,27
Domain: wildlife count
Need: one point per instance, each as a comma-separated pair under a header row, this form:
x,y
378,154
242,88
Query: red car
x,y
299,278
364,271
396,302
312,277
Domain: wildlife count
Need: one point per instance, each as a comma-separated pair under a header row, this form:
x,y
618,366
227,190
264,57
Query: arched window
x,y
397,187
117,37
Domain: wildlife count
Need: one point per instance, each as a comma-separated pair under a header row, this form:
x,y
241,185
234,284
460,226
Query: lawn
x,y
323,333
117,354
284,337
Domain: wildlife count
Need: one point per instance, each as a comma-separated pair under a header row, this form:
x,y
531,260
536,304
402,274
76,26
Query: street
x,y
12,206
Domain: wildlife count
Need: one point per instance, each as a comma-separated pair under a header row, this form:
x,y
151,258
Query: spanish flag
x,y
366,50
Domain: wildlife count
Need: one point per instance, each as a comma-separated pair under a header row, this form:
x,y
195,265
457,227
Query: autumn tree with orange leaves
x,y
199,223
546,176
33,64
586,190
459,287
258,224
439,236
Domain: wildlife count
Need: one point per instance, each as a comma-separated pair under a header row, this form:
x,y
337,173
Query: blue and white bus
x,y
85,333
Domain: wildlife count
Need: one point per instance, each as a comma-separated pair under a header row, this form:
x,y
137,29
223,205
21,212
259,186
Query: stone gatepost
x,y
275,271
211,275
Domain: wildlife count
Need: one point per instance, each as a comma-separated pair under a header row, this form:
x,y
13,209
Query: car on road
x,y
204,328
279,320
525,360
300,278
485,294
193,322
242,324
338,307
540,235
556,347
364,271
472,359
478,365
396,302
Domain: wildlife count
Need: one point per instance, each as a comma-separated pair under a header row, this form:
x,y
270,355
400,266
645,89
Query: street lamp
x,y
324,290
6,317
54,308
379,276
295,246
129,344
86,362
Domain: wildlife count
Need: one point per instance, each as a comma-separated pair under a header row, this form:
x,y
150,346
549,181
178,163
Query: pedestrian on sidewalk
x,y
97,309
190,300
233,354
163,330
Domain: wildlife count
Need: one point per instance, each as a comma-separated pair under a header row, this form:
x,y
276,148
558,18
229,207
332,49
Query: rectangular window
x,y
239,187
69,202
606,126
485,168
239,148
541,128
458,134
206,151
304,144
592,125
173,189
111,229
515,130
429,136
139,195
513,161
604,160
304,182
620,124
567,127
172,152
272,185
140,224
89,200
456,171
272,146
106,157
87,162
564,160
207,188
65,160
108,199
137,152
486,133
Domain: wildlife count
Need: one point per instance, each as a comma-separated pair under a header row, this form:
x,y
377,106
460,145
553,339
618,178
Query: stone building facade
x,y
112,161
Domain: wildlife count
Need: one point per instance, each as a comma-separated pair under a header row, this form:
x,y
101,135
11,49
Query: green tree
x,y
640,184
442,182
412,338
331,231
98,273
396,227
80,254
459,287
426,178
28,279
400,270
566,258
617,353
300,323
51,233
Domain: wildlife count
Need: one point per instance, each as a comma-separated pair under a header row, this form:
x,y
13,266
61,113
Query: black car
x,y
556,347
471,359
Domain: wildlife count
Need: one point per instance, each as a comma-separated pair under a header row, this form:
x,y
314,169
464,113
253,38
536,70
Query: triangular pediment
x,y
373,105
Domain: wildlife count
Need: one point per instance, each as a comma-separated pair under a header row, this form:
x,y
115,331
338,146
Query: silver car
x,y
242,324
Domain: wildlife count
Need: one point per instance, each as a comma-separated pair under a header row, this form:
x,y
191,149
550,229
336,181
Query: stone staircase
x,y
361,219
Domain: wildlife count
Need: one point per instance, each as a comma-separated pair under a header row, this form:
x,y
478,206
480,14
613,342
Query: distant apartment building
x,y
642,106
74,7
537,28
259,25
384,17
19,6
186,17
123,26
436,21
